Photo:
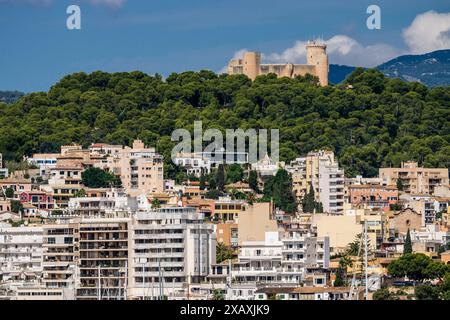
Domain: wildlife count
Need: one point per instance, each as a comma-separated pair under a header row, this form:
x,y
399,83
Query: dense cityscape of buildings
x,y
154,238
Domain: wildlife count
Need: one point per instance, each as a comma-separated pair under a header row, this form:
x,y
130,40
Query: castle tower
x,y
252,63
316,55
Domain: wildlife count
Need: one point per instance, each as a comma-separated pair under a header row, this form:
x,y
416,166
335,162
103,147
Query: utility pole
x,y
99,288
160,279
365,259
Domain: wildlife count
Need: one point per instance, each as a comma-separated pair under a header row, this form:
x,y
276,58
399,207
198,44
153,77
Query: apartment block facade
x,y
415,179
320,170
172,248
141,169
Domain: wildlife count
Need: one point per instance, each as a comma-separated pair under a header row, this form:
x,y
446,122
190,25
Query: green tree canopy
x,y
98,178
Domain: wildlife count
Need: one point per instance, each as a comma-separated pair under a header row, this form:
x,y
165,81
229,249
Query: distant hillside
x,y
431,69
10,96
338,73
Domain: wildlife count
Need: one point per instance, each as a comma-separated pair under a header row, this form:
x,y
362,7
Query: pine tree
x,y
253,181
308,202
202,181
407,247
399,184
220,178
339,281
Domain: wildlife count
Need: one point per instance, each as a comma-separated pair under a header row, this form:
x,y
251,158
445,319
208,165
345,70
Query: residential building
x,y
226,209
60,257
223,156
3,171
266,166
429,239
104,259
5,205
377,197
20,255
17,185
141,169
42,200
305,293
44,161
254,221
321,171
340,229
415,179
172,249
227,233
103,149
102,202
317,65
193,163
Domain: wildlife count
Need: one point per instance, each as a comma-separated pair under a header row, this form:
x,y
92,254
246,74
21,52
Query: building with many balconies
x,y
321,171
172,249
415,179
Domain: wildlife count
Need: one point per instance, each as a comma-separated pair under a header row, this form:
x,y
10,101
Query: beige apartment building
x,y
415,179
317,65
140,168
255,221
65,175
320,170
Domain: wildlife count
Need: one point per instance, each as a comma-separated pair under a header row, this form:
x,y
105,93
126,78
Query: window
x,y
51,241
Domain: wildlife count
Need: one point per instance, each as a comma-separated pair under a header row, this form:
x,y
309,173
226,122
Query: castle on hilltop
x,y
317,64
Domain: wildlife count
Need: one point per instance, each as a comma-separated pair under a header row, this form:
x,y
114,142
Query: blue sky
x,y
36,48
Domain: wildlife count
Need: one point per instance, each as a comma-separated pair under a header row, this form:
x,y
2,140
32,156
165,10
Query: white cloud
x,y
429,31
237,55
341,49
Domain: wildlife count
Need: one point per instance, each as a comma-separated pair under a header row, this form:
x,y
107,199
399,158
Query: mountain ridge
x,y
432,69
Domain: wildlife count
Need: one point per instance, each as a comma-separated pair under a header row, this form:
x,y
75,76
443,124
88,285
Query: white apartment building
x,y
20,256
106,204
172,249
44,161
278,262
320,170
60,258
193,163
266,166
303,250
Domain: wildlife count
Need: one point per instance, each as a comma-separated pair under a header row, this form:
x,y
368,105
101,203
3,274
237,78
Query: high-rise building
x,y
103,258
320,170
60,258
172,248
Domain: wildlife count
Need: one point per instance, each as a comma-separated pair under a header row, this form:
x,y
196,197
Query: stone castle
x,y
317,65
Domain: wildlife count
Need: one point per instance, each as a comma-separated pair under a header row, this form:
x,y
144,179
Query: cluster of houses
x,y
62,240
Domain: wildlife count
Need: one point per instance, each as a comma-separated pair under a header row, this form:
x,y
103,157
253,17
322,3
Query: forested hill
x,y
10,96
374,122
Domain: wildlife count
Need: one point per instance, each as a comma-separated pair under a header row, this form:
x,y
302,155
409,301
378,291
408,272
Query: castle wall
x,y
317,65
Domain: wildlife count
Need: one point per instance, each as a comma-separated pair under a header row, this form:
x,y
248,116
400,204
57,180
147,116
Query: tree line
x,y
369,121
